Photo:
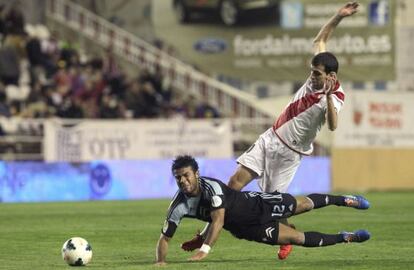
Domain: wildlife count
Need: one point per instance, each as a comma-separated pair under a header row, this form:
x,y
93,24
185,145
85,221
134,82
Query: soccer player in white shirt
x,y
274,158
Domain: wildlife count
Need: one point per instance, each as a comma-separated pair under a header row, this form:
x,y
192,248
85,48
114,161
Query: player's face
x,y
318,76
187,180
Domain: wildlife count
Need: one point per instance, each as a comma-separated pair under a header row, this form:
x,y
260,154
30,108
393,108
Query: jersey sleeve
x,y
215,194
176,212
338,98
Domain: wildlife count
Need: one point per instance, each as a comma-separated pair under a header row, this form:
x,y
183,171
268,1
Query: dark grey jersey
x,y
211,197
241,208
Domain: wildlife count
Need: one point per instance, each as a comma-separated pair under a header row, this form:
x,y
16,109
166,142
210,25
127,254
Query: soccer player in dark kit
x,y
247,215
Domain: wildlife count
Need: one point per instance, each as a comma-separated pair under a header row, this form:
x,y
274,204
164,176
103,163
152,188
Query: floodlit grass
x,y
123,235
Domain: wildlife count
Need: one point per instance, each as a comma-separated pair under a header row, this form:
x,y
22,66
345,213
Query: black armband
x,y
169,228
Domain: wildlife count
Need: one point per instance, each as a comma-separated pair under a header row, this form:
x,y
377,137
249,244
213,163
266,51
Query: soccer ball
x,y
76,251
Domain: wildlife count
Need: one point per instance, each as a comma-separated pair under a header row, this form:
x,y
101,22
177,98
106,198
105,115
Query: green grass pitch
x,y
123,235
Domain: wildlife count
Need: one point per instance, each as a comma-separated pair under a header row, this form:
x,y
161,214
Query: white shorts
x,y
273,161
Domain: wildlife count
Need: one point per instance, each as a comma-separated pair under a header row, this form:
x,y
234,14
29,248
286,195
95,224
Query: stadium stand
x,y
43,76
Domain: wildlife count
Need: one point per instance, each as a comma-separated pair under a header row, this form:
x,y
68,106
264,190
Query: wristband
x,y
205,248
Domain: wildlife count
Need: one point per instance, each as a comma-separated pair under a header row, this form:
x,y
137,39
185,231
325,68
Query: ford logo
x,y
210,45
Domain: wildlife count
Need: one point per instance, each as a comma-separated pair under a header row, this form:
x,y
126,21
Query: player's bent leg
x,y
241,177
285,250
317,239
290,236
322,200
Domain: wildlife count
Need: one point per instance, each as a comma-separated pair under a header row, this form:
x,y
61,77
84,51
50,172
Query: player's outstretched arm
x,y
162,250
213,233
319,43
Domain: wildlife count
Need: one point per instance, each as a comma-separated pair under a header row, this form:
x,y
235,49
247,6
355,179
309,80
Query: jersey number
x,y
278,210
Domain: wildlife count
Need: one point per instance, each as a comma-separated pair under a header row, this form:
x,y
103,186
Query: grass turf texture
x,y
123,235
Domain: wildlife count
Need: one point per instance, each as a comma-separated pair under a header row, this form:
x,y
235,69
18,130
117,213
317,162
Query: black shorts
x,y
263,233
266,230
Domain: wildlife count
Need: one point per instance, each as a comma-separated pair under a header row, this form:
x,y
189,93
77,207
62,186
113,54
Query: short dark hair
x,y
326,59
184,161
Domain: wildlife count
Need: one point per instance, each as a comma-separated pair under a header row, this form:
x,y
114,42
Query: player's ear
x,y
332,74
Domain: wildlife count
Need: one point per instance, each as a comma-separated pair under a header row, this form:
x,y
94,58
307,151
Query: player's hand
x,y
198,256
349,9
329,85
159,264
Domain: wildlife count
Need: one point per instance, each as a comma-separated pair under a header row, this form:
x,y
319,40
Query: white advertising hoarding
x,y
376,120
139,139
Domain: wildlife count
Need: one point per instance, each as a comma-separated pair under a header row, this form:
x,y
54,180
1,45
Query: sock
x,y
321,200
317,239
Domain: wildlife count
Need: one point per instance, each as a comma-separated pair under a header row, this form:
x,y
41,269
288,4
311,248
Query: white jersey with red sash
x,y
304,116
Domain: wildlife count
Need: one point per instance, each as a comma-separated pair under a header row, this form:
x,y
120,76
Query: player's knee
x,y
307,204
303,204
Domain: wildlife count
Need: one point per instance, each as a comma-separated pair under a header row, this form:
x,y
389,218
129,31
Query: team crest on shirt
x,y
216,201
165,227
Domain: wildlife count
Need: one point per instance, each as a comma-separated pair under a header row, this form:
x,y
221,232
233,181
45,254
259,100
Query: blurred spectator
x,y
69,54
154,79
14,20
110,66
110,107
4,108
2,23
15,108
9,65
94,85
134,100
151,101
38,109
37,53
118,85
70,108
77,80
34,53
205,110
